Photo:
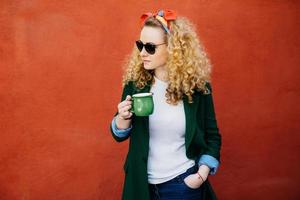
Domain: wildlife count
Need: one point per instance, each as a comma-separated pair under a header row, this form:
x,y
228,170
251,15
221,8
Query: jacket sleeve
x,y
127,90
212,135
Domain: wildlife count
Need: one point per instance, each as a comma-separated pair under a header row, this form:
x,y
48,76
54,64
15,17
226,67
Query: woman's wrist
x,y
203,171
122,123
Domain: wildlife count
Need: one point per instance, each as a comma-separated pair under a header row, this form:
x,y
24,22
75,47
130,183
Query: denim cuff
x,y
120,132
211,162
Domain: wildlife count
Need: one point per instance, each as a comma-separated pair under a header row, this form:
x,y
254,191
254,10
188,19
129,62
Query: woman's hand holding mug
x,y
123,119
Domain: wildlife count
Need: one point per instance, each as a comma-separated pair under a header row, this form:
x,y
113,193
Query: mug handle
x,y
131,109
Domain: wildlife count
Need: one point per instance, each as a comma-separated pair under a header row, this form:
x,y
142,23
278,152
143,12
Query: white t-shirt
x,y
167,154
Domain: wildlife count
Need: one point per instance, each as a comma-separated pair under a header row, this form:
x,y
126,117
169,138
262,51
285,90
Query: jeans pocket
x,y
188,187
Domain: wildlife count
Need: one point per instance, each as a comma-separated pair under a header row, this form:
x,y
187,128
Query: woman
x,y
171,152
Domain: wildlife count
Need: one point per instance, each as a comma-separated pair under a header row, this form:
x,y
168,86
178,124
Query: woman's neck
x,y
161,73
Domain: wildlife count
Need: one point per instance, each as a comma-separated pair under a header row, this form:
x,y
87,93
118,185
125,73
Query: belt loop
x,y
179,179
156,191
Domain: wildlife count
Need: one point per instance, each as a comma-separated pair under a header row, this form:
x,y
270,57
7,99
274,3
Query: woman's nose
x,y
143,52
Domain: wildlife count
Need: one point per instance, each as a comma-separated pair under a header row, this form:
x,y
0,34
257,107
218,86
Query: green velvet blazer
x,y
202,137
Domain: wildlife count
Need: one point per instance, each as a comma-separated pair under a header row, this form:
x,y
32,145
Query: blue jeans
x,y
176,189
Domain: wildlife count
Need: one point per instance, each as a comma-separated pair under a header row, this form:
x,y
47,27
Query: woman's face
x,y
158,59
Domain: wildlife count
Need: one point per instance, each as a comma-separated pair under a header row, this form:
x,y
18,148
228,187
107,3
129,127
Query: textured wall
x,y
60,82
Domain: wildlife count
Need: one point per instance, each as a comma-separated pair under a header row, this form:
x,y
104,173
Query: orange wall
x,y
60,82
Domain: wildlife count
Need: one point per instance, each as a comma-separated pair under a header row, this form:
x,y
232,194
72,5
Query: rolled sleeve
x,y
118,132
211,162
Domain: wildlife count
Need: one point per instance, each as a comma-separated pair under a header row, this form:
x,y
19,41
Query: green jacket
x,y
202,137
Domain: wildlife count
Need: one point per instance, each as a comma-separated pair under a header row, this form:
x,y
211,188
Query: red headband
x,y
163,16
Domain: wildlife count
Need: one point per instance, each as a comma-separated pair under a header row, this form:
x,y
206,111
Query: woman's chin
x,y
147,67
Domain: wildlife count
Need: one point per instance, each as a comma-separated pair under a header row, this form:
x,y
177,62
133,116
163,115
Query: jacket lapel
x,y
190,111
145,122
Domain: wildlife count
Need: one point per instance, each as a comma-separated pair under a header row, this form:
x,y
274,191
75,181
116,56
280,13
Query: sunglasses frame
x,y
147,46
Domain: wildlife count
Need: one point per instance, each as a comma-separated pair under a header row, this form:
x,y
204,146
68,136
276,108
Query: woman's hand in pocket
x,y
194,181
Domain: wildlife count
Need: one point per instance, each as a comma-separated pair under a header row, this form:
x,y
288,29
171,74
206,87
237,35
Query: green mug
x,y
142,104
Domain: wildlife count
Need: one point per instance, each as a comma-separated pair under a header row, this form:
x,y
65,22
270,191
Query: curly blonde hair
x,y
187,64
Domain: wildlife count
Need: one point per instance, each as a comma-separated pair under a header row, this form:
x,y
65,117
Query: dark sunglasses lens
x,y
150,48
139,45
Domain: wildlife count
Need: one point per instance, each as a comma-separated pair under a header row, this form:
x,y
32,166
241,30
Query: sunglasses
x,y
149,46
